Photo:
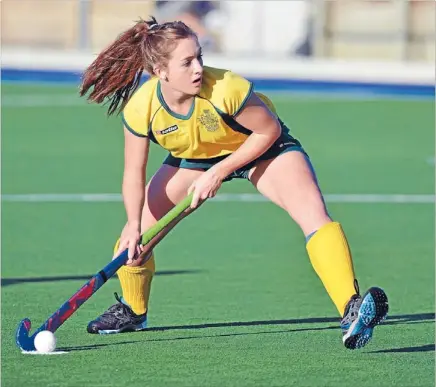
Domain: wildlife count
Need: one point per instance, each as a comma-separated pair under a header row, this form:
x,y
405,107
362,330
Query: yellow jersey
x,y
209,129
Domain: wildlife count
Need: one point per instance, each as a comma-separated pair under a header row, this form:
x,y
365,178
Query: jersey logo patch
x,y
209,121
167,130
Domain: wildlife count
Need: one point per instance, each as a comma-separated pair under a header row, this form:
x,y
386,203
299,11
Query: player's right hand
x,y
129,239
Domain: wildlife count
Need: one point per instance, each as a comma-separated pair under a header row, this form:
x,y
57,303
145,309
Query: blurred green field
x,y
247,312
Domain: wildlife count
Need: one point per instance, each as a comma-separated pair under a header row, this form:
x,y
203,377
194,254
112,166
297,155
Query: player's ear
x,y
160,73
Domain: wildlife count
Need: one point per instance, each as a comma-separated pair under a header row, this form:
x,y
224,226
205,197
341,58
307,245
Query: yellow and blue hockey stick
x,y
149,239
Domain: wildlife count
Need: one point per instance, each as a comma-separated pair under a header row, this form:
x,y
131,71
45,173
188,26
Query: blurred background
x,y
393,30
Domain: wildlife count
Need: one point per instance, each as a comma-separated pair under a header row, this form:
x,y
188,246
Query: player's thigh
x,y
289,181
166,188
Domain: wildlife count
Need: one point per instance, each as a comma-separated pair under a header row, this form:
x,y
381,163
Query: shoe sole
x,y
372,311
125,329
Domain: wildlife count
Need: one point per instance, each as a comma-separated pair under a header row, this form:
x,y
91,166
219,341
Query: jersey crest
x,y
209,121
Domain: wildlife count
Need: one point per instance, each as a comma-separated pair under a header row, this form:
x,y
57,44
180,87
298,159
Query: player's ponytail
x,y
116,72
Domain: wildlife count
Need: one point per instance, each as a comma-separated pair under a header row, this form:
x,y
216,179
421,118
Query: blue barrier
x,y
273,84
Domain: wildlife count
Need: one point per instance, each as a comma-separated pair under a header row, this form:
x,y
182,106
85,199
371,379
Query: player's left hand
x,y
206,186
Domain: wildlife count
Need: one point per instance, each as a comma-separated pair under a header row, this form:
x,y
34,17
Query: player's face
x,y
185,68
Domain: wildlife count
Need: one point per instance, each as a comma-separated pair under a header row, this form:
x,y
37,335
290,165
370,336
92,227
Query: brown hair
x,y
116,72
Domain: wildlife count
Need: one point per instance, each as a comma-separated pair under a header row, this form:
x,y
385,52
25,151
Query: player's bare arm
x,y
265,128
135,161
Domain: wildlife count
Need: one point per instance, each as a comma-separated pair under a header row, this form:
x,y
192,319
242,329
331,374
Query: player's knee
x,y
310,215
143,259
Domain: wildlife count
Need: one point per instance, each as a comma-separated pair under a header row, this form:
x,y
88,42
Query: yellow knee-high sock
x,y
136,284
331,259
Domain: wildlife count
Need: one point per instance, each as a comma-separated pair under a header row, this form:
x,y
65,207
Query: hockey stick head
x,y
24,341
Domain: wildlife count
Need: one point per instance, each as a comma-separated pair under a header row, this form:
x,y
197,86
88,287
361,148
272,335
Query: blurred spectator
x,y
306,46
195,14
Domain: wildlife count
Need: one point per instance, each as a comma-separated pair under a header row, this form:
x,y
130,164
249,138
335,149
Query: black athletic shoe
x,y
117,319
361,315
